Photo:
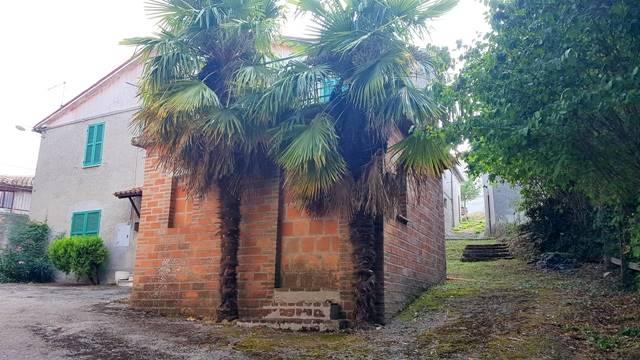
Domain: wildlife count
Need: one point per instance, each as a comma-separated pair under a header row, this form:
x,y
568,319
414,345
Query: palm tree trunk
x,y
362,233
229,236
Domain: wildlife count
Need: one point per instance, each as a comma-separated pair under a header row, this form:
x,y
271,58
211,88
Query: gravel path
x,y
82,322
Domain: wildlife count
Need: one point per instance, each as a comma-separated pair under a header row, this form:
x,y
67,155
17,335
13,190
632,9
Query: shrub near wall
x,y
25,257
81,255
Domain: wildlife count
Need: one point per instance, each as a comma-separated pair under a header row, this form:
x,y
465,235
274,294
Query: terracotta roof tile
x,y
136,191
17,181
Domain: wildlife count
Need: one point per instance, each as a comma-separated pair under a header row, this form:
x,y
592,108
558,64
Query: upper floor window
x,y
85,223
93,149
326,88
6,199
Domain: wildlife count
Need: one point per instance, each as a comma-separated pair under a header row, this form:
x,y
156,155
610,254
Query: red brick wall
x,y
176,268
414,254
310,250
257,252
178,253
178,249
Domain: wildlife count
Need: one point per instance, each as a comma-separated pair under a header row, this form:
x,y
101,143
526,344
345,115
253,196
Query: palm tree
x,y
356,123
193,114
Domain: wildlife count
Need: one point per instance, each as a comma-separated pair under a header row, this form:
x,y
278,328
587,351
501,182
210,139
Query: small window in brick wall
x,y
403,203
172,203
180,205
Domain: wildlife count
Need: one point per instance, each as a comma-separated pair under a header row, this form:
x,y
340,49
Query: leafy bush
x,y
566,222
81,255
25,258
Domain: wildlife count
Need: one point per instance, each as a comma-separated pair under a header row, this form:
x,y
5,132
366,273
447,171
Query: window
x,y
327,88
6,199
93,150
85,223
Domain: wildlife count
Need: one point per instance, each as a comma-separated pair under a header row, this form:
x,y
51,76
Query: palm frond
x,y
423,153
297,85
225,125
311,160
188,96
369,84
411,104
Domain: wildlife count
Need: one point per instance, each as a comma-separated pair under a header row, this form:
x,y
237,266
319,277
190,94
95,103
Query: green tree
x,y
81,255
552,101
469,190
356,119
192,113
25,257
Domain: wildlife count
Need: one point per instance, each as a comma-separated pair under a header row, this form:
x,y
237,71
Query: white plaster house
x,y
85,157
500,205
452,198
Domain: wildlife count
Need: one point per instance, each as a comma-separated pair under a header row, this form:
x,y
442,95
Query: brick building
x,y
292,268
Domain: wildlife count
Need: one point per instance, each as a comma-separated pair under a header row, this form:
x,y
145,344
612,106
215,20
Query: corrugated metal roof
x,y
17,181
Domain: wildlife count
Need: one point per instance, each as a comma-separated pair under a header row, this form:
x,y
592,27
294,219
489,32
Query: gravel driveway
x,y
83,322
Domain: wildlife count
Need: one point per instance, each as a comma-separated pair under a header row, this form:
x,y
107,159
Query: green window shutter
x,y
88,151
92,226
85,223
77,223
97,144
93,149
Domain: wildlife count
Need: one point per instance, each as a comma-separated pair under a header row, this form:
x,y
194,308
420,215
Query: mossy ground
x,y
472,224
486,310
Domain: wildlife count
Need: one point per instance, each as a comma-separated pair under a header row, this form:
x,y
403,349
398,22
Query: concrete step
x,y
486,259
481,253
304,310
486,252
296,324
488,246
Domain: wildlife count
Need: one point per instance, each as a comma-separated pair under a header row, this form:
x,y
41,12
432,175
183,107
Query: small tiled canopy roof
x,y
21,182
136,191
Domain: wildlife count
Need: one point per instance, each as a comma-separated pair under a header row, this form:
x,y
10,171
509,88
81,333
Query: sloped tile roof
x,y
17,181
136,191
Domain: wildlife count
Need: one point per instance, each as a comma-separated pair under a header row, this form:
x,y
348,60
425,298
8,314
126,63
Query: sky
x,y
53,50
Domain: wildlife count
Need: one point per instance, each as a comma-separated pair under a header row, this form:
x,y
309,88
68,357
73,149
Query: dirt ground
x,y
491,310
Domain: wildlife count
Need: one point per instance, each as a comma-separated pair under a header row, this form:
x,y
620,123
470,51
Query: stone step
x,y
483,252
296,324
304,310
486,259
488,246
486,252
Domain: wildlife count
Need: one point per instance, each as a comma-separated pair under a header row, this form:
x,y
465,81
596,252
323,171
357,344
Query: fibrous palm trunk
x,y
363,236
230,237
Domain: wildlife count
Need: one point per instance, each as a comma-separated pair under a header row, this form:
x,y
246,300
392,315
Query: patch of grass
x,y
601,341
472,225
434,299
272,344
631,331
